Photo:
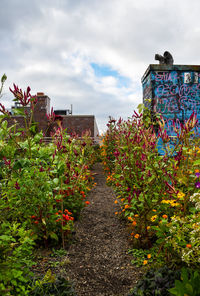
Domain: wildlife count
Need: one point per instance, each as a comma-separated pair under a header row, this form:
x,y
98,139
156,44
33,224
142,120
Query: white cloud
x,y
50,45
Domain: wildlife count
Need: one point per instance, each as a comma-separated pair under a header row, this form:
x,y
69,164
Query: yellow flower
x,y
137,235
175,204
153,218
165,201
145,262
180,195
154,210
149,256
148,227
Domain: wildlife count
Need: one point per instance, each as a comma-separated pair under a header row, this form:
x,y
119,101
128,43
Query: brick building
x,y
77,124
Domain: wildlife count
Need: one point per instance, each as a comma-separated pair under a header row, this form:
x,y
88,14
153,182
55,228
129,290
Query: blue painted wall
x,y
173,91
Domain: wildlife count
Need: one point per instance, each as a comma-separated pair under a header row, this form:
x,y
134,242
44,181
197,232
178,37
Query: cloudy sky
x,y
93,53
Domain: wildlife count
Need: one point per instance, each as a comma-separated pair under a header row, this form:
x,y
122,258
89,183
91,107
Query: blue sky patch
x,y
103,71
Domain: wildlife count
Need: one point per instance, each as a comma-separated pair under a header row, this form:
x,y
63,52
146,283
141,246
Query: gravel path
x,y
99,265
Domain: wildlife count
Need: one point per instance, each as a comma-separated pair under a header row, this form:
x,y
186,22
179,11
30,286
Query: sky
x,y
93,53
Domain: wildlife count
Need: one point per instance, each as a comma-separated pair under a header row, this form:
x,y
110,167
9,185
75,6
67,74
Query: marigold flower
x,y
137,235
122,199
116,201
116,213
134,223
164,216
196,171
189,246
145,262
130,218
149,256
132,233
136,215
148,227
127,206
154,210
87,202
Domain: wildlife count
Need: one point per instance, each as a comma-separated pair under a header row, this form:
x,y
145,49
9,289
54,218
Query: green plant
x,y
148,257
156,282
50,285
188,284
16,247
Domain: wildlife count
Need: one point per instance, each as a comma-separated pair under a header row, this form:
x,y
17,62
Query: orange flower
x,y
134,223
116,213
130,218
116,201
189,246
136,215
148,227
196,171
137,236
132,233
122,199
87,202
145,262
127,206
149,256
164,216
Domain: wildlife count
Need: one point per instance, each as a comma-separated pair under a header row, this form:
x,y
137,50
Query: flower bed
x,y
43,189
158,194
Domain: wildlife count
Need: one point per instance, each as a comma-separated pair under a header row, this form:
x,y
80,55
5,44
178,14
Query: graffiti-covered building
x,y
173,91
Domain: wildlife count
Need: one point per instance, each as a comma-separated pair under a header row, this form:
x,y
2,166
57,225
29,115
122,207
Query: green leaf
x,y
3,78
53,235
140,108
56,181
19,111
4,124
197,162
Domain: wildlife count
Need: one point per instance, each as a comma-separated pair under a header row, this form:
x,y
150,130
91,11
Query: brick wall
x,y
74,123
79,124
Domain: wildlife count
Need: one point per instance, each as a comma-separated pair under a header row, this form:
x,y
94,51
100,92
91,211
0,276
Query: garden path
x,y
99,263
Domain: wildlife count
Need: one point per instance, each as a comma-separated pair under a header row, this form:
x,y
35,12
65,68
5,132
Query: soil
x,y
98,261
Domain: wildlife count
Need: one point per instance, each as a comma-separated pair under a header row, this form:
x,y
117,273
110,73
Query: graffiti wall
x,y
175,93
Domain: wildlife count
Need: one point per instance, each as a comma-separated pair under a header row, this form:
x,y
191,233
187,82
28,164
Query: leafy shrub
x,y
50,285
188,284
16,248
156,282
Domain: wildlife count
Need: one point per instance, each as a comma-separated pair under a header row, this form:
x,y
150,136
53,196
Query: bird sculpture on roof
x,y
166,59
